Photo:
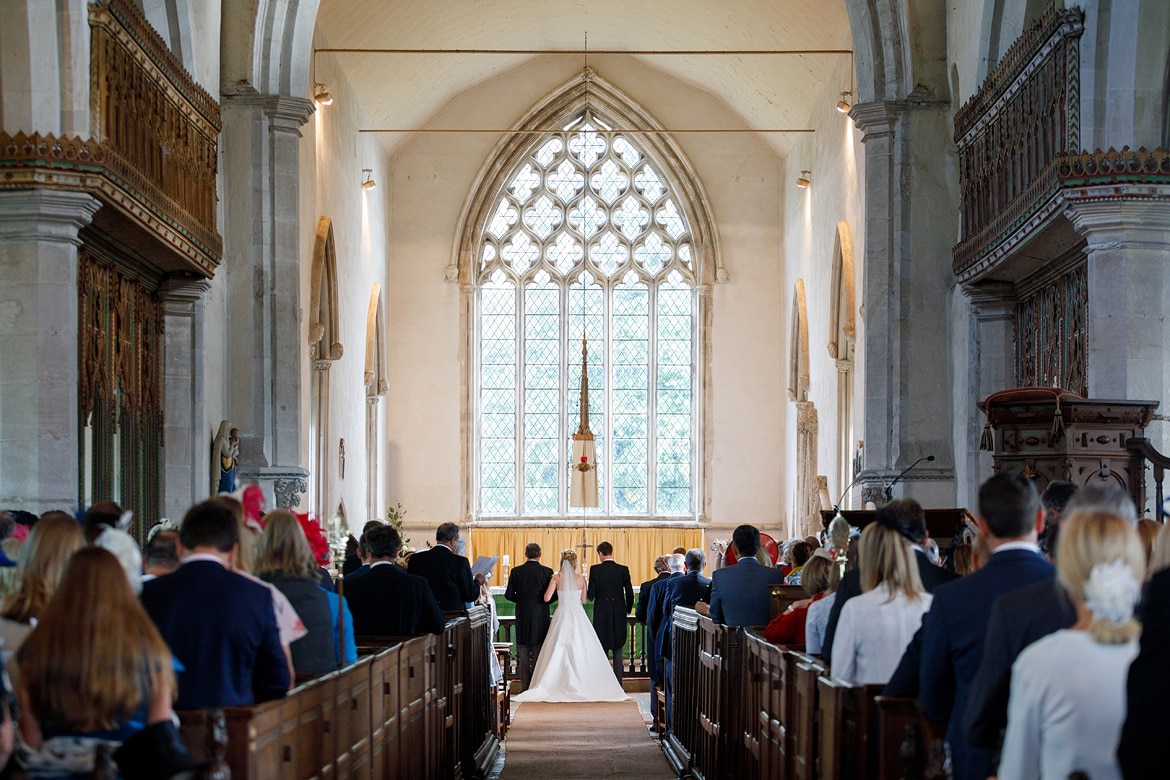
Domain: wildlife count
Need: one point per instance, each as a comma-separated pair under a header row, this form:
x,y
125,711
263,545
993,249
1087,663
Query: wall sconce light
x,y
843,105
368,183
322,96
802,181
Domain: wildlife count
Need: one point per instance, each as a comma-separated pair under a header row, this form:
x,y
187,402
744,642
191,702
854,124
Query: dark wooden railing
x,y
743,707
1160,463
416,707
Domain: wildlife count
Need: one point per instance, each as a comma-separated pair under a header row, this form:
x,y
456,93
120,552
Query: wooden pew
x,y
806,670
846,719
910,746
418,709
683,736
710,748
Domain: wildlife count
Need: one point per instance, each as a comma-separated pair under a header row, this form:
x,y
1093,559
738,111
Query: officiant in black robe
x,y
526,586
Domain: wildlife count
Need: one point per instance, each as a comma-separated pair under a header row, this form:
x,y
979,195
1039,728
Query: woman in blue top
x,y
284,559
94,670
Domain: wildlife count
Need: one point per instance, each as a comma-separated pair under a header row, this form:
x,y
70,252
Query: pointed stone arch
x,y
324,332
610,104
842,301
377,386
798,356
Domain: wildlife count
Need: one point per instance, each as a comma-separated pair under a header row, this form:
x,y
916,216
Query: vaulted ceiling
x,y
404,90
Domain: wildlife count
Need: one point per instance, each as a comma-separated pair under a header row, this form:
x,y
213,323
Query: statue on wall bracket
x,y
225,457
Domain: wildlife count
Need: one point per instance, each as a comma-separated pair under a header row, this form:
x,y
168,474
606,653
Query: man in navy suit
x,y
448,574
953,631
740,594
675,565
1144,751
1020,618
661,572
387,601
909,518
220,625
685,590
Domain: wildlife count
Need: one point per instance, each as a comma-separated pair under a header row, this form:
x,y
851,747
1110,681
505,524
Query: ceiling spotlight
x,y
843,105
368,183
802,181
322,96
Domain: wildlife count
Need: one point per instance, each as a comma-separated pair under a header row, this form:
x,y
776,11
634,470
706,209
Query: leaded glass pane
x,y
542,395
589,218
587,311
673,396
497,401
631,350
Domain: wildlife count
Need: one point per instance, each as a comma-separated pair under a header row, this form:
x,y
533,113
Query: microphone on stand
x,y
860,476
888,491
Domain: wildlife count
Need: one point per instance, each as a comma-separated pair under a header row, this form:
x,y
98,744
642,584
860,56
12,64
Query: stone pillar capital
x,y
46,216
876,119
181,293
992,300
1121,216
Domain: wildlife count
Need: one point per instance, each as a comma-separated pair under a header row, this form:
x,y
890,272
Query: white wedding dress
x,y
572,665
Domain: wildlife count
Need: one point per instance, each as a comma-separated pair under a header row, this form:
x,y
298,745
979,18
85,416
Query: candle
x,y
507,561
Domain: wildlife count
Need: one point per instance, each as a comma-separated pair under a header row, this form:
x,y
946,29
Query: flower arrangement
x,y
394,516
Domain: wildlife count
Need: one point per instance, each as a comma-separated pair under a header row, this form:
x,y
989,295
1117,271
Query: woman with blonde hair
x,y
572,665
46,552
285,561
95,669
794,625
1067,699
875,627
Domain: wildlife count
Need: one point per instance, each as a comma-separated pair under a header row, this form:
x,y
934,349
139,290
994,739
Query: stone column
x,y
267,345
373,511
990,340
39,424
1128,336
187,454
911,222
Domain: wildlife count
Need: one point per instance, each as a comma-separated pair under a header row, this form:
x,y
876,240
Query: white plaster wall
x,y
333,155
834,156
431,177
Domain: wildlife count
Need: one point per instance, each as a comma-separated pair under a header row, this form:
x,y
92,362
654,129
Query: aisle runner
x,y
582,740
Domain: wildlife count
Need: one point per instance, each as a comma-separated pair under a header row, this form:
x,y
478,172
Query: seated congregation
x,y
225,643
1033,665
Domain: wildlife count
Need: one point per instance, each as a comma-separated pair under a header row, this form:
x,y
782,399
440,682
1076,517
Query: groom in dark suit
x,y
526,586
612,594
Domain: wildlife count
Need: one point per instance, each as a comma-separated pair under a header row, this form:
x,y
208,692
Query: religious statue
x,y
225,456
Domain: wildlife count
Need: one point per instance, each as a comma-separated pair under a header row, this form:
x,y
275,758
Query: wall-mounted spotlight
x,y
843,105
322,96
368,183
802,181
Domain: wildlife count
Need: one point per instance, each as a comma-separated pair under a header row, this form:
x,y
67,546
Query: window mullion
x,y
520,396
565,447
652,404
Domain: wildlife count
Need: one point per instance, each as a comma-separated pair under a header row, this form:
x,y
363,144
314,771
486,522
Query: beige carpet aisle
x,y
582,740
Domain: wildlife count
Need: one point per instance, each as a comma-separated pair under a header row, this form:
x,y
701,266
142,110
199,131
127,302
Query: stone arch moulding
x,y
842,301
323,327
798,370
612,105
899,48
268,46
375,374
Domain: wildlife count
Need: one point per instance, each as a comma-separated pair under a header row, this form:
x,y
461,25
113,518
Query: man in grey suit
x,y
740,595
527,584
612,594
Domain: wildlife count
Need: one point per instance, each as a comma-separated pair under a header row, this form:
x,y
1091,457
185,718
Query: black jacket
x,y
449,576
389,602
526,586
612,595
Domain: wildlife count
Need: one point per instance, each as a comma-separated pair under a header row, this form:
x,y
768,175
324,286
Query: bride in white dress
x,y
572,665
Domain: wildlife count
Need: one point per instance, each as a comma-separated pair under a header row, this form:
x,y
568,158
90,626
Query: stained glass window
x,y
586,239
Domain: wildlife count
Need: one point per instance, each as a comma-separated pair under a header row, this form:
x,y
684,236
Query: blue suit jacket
x,y
953,634
740,594
222,629
1144,750
684,591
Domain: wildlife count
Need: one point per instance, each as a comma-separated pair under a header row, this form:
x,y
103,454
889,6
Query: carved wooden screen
x,y
1011,131
120,398
1050,334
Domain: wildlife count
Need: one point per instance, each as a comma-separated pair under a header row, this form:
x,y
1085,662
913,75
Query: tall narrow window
x,y
586,239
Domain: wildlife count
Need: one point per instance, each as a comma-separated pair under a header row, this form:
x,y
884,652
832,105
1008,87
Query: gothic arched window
x,y
585,237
